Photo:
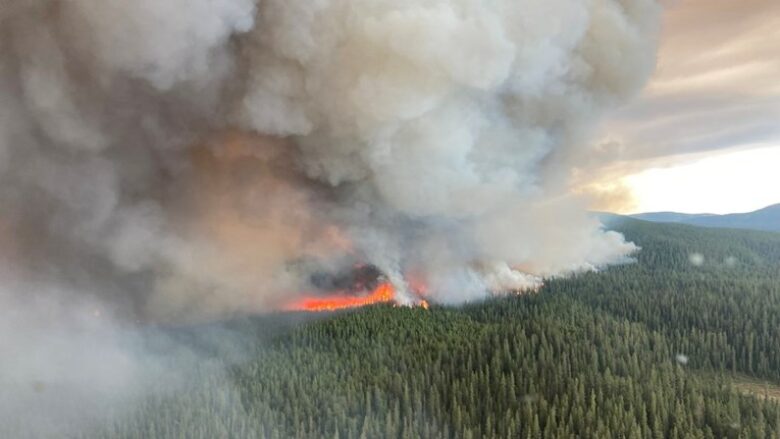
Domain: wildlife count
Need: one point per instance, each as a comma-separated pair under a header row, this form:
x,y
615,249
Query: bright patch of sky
x,y
739,181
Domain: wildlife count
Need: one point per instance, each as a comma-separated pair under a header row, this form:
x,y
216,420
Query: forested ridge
x,y
644,350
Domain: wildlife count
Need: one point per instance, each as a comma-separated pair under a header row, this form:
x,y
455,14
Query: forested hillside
x,y
767,219
645,350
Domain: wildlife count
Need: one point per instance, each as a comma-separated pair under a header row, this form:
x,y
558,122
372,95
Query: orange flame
x,y
384,293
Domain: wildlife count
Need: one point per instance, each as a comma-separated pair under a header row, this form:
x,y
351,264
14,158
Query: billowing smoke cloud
x,y
197,157
170,160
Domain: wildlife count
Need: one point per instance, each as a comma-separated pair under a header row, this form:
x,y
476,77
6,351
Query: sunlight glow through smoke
x,y
740,181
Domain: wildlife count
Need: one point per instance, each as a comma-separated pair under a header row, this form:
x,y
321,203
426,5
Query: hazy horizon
x,y
699,213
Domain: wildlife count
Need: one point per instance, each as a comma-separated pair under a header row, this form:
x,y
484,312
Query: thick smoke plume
x,y
172,160
190,157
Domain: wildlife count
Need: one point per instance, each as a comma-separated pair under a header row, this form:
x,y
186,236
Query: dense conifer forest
x,y
646,350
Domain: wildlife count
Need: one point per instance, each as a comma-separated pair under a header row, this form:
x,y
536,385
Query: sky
x,y
704,136
738,181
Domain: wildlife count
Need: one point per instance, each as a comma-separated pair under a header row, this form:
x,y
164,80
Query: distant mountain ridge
x,y
767,219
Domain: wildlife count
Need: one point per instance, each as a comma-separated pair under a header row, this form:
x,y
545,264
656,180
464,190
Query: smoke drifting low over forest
x,y
174,160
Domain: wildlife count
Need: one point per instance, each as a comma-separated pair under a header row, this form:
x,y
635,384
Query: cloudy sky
x,y
705,134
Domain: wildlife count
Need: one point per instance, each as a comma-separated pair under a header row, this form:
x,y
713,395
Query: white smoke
x,y
449,115
181,159
185,156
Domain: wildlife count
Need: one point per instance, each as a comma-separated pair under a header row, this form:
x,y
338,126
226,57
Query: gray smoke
x,y
181,157
170,160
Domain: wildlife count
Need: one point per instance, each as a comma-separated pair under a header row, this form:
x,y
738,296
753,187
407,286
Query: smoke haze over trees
x,y
654,349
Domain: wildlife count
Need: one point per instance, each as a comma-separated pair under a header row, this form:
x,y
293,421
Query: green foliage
x,y
592,356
